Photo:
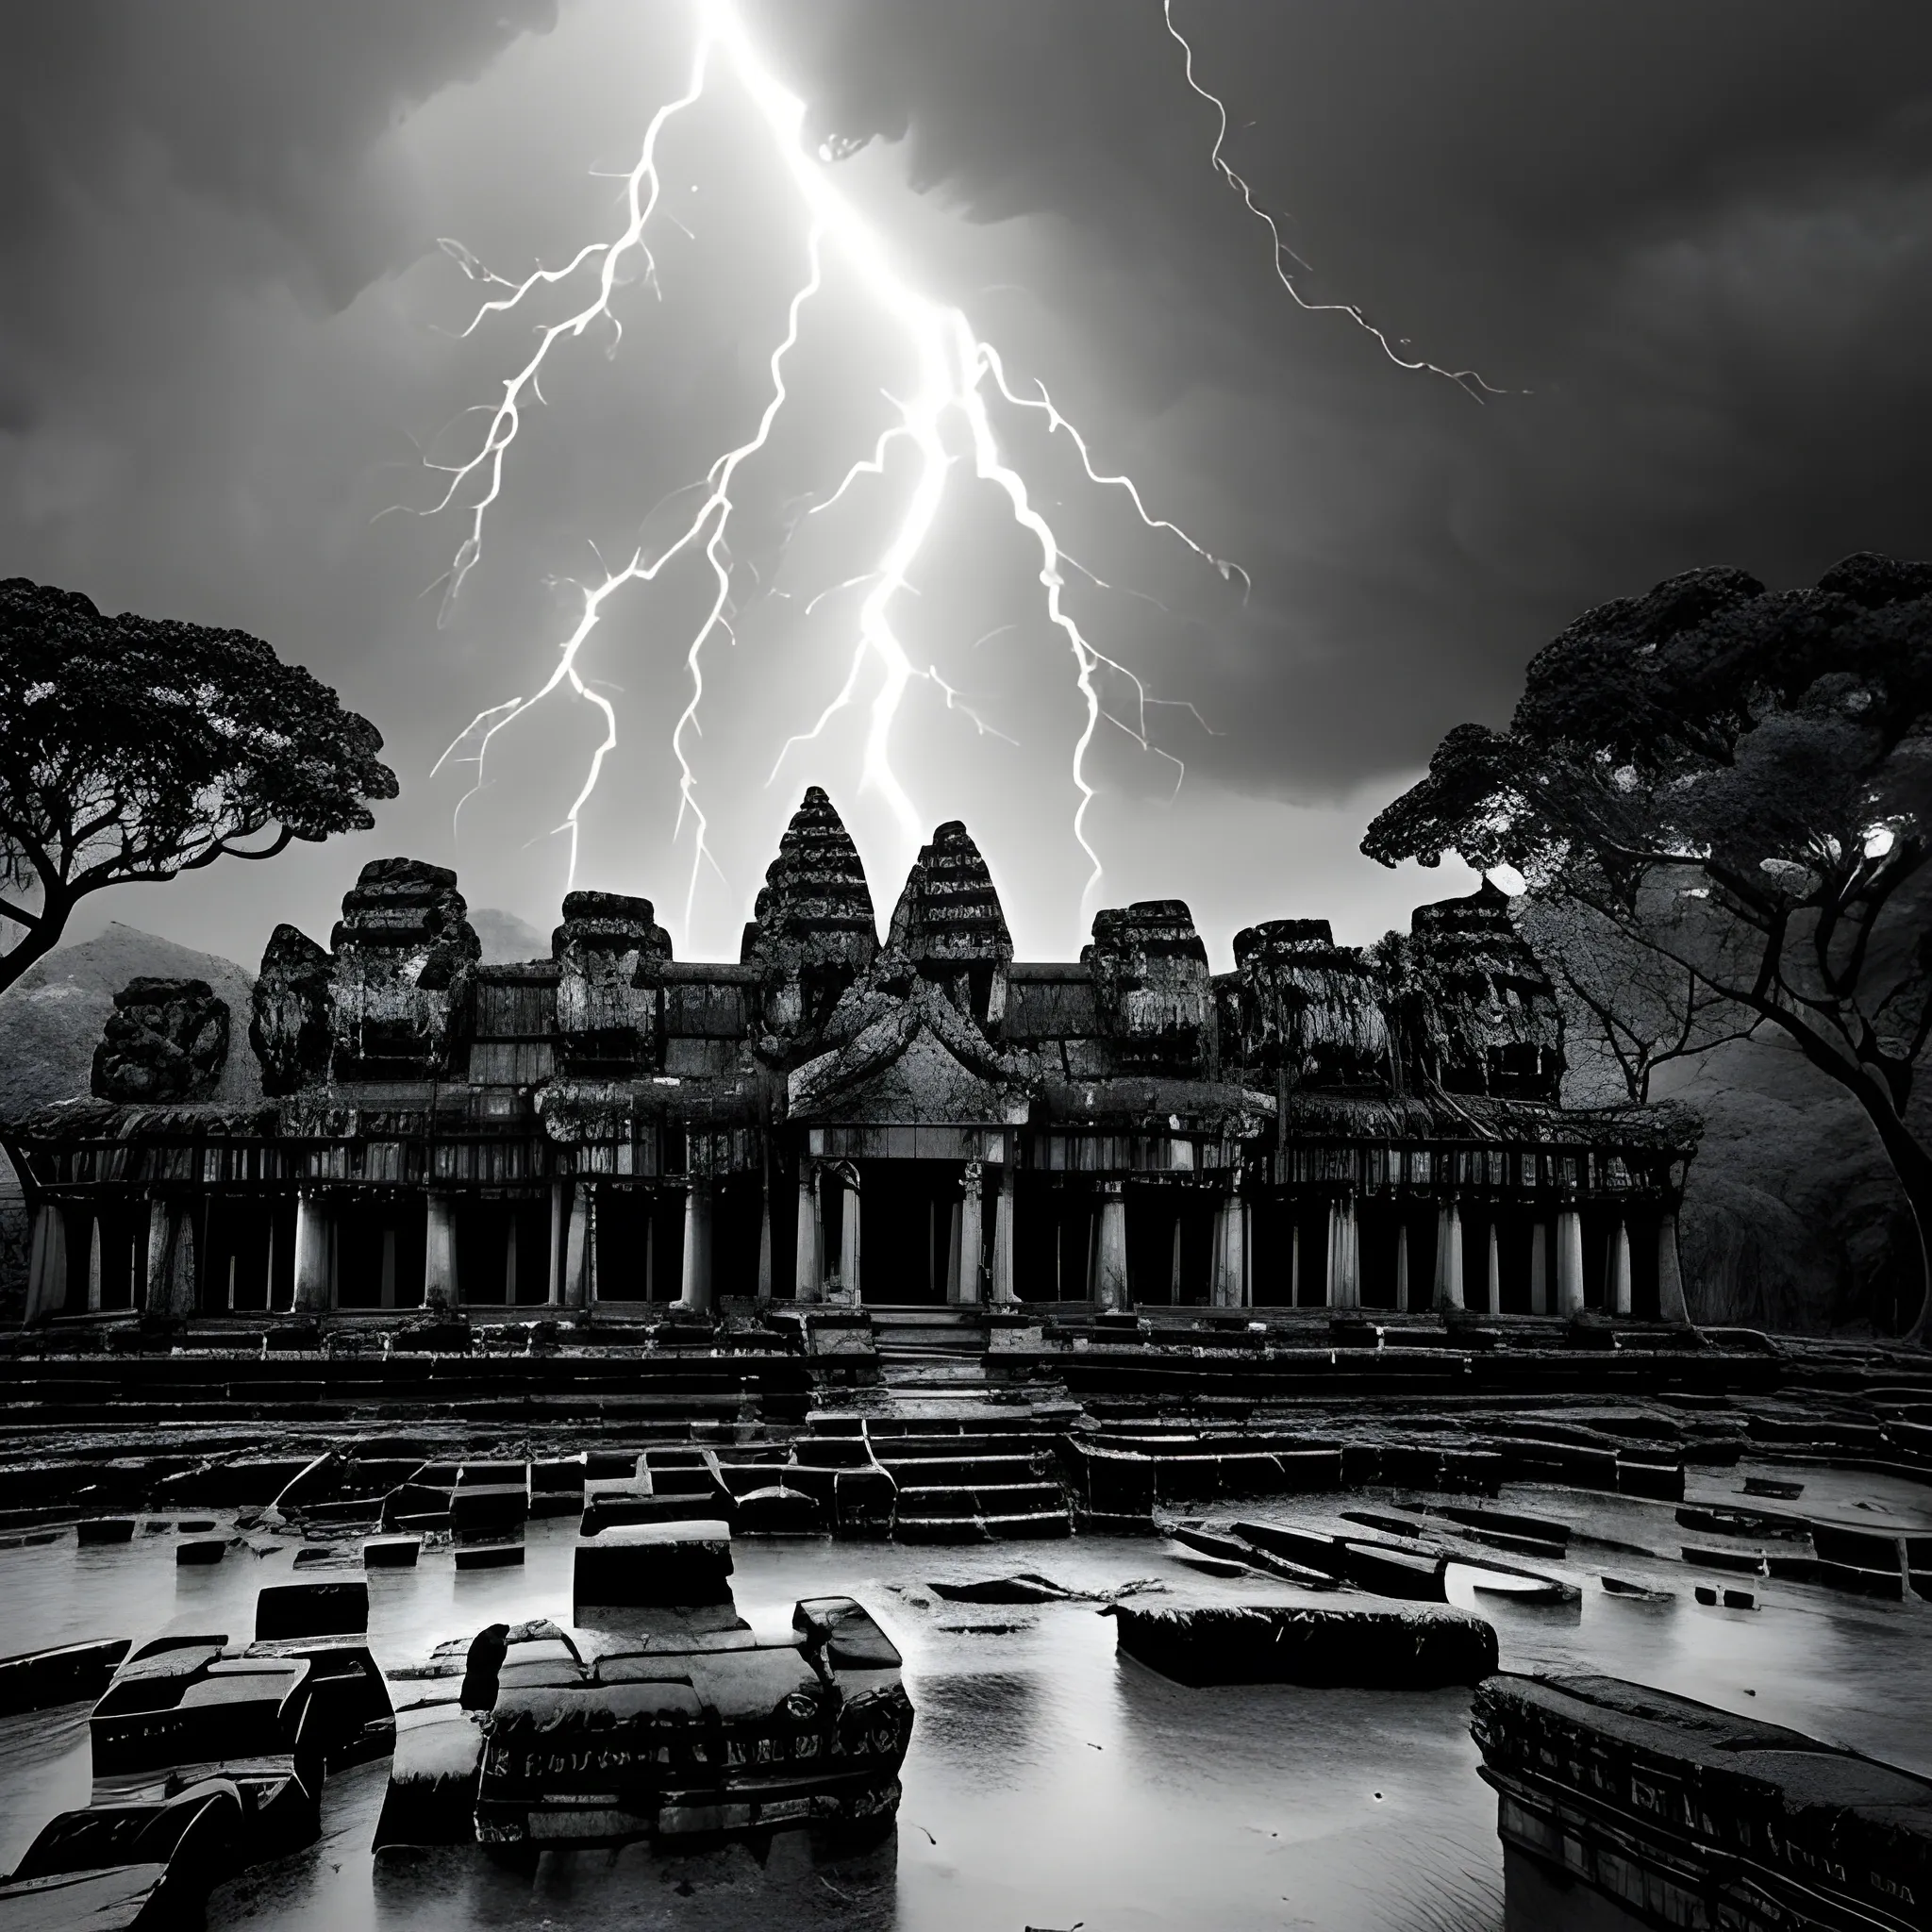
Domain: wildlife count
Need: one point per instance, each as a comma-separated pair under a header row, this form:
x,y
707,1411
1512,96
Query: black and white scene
x,y
965,965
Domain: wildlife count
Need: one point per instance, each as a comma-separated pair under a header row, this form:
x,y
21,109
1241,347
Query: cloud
x,y
1694,243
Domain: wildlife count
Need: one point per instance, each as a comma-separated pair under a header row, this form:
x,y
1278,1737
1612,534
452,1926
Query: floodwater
x,y
1051,1782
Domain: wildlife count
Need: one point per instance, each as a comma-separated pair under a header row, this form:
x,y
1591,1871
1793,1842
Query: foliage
x,y
1737,783
136,749
1628,1006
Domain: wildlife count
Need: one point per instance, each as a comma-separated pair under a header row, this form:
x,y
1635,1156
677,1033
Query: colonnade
x,y
979,1269
1556,1263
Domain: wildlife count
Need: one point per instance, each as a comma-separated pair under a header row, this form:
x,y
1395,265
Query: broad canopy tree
x,y
1736,784
137,749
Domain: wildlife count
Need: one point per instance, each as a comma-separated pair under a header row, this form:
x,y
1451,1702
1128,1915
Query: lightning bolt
x,y
1285,261
957,377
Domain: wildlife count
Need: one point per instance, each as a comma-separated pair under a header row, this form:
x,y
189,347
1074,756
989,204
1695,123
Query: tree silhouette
x,y
1739,784
134,748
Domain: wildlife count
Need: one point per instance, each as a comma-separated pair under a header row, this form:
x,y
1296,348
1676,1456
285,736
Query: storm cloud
x,y
1692,246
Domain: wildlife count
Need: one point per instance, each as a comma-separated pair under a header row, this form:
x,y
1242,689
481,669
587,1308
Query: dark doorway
x,y
379,1255
906,1231
235,1274
737,1227
637,1230
503,1252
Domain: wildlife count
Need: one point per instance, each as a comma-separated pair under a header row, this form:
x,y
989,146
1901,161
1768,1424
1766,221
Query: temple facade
x,y
917,1118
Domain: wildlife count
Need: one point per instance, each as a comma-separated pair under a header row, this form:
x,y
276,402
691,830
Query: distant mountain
x,y
51,1017
507,938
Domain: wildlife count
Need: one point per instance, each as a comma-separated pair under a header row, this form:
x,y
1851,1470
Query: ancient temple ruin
x,y
921,1119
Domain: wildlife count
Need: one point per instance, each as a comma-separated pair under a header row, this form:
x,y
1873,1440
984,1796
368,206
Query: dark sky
x,y
1693,243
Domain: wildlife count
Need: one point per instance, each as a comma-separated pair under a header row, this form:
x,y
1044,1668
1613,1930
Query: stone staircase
x,y
931,1350
977,1479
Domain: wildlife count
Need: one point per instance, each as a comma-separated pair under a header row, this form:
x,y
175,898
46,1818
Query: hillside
x,y
51,1017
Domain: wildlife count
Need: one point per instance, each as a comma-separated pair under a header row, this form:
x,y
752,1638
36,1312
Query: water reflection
x,y
1049,1781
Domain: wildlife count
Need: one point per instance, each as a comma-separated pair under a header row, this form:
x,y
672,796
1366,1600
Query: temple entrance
x,y
909,1230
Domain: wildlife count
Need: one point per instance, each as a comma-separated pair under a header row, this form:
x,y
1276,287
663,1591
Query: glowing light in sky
x,y
957,377
957,374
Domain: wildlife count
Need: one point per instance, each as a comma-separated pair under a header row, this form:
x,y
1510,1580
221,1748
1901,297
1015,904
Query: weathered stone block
x,y
1371,1646
166,1039
1152,985
404,956
289,1025
609,949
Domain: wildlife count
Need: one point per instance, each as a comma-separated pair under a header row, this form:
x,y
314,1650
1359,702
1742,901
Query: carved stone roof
x,y
815,908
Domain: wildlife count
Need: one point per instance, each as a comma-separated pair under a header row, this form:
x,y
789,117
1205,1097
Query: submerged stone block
x,y
38,1679
1619,1805
1369,1647
655,1565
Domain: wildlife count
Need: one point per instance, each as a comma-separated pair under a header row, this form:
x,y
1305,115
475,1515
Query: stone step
x,y
980,1499
968,1443
984,1530
959,1374
966,1472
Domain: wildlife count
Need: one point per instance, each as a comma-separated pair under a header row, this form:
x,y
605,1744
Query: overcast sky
x,y
1692,244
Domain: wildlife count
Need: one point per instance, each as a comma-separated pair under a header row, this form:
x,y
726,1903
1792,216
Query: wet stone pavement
x,y
1051,1779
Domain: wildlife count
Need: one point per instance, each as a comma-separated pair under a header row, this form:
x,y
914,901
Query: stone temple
x,y
917,1118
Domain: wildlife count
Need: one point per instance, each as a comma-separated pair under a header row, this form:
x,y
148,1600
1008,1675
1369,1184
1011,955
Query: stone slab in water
x,y
1622,1805
1384,1646
38,1679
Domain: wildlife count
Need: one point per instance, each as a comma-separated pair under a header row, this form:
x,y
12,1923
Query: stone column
x,y
849,1220
47,1270
967,1266
1569,1263
1449,1255
1539,1267
697,1246
560,1235
764,1288
1344,1255
93,1267
440,1250
1230,1284
1110,1262
312,1283
577,1235
1617,1289
1401,1262
160,1229
1671,1305
171,1258
1294,1261
1495,1270
811,1234
1003,1240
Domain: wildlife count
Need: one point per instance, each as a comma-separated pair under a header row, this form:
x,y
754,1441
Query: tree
x,y
1737,783
1628,1008
134,748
